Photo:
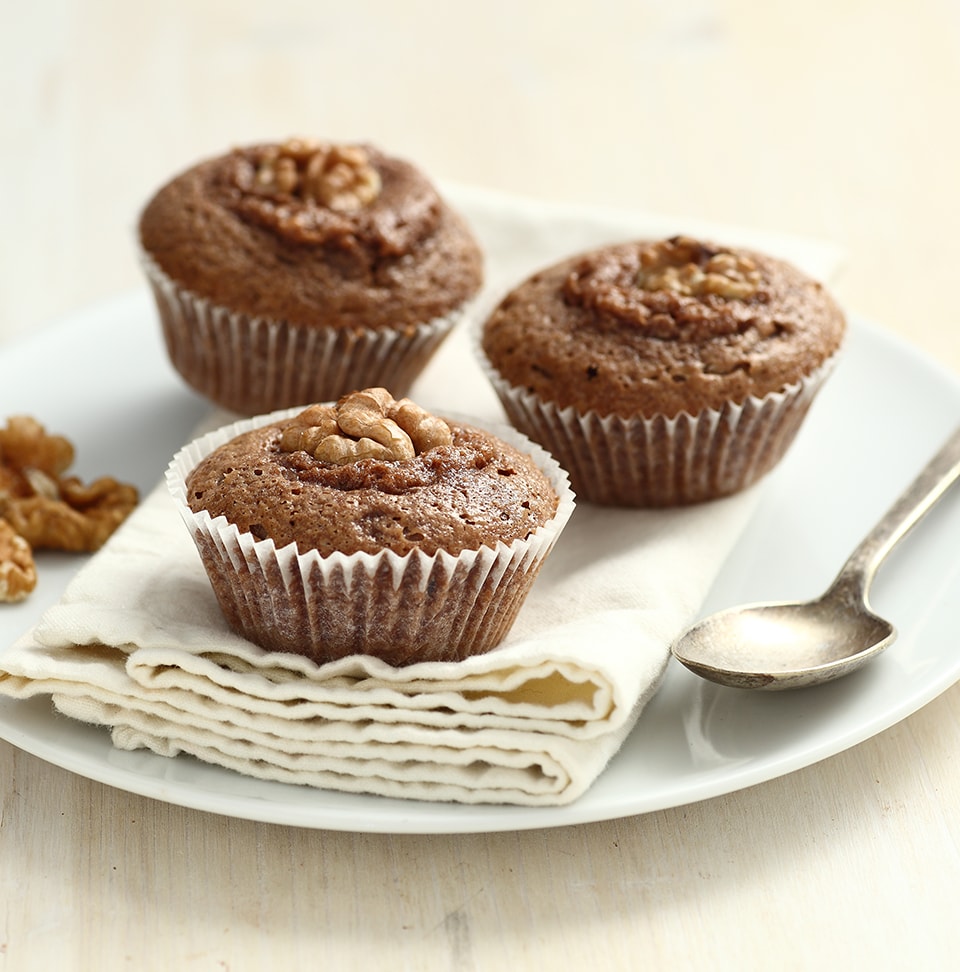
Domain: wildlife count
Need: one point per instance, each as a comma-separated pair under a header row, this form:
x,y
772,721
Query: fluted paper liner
x,y
251,365
403,609
662,461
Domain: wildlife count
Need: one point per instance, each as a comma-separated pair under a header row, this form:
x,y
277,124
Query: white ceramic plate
x,y
102,377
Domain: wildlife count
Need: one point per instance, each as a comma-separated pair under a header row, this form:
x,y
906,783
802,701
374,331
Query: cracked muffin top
x,y
651,328
314,233
370,473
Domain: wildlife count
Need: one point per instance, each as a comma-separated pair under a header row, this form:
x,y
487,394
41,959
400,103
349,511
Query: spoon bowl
x,y
794,644
803,643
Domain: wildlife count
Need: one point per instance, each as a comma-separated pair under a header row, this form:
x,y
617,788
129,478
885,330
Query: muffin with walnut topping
x,y
662,373
291,273
370,526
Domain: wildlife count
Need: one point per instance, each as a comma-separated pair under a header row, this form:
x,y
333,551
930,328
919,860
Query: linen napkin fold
x,y
138,643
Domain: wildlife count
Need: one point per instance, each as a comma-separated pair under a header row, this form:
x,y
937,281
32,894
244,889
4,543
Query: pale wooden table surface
x,y
831,118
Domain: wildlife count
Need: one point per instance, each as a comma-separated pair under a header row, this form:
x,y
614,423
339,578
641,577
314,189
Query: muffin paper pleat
x,y
252,365
661,461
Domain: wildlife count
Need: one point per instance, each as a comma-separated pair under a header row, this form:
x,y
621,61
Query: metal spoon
x,y
784,645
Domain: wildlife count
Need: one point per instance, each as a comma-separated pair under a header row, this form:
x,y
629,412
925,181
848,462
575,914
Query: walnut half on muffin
x,y
662,372
370,526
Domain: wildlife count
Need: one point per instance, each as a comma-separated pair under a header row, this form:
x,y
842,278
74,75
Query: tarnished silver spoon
x,y
783,645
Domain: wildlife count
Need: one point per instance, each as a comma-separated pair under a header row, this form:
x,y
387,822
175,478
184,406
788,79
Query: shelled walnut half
x,y
367,424
18,572
41,507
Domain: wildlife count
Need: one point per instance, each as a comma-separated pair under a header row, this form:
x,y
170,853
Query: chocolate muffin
x,y
291,273
662,373
370,526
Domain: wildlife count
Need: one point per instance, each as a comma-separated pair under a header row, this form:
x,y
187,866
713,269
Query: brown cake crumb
x,y
458,489
315,234
659,328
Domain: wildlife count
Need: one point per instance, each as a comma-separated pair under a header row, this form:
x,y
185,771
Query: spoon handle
x,y
920,497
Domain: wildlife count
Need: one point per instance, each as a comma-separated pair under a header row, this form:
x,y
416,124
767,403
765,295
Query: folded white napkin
x,y
138,644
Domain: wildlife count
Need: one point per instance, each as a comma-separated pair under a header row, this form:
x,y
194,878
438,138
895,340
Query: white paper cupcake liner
x,y
403,609
660,461
252,365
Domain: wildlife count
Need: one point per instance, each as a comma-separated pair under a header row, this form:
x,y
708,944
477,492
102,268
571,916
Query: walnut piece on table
x,y
40,507
18,572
